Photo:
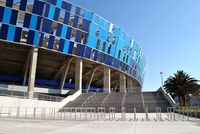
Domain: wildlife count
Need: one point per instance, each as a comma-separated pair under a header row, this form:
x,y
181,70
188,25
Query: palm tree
x,y
181,85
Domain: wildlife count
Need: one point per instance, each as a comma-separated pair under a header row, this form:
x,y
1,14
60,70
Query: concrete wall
x,y
36,89
168,97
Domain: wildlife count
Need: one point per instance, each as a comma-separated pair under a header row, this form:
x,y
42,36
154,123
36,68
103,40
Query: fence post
x,y
18,112
34,112
123,113
25,112
0,111
134,113
146,113
188,118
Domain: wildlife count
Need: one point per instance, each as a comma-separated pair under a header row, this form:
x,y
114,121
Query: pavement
x,y
36,126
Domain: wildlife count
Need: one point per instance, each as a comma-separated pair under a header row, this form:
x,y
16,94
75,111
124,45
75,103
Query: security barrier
x,y
100,113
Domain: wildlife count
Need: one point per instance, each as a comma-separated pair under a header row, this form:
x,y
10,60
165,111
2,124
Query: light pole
x,y
161,76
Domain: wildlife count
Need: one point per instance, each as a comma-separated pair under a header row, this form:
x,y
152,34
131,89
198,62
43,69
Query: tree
x,y
181,85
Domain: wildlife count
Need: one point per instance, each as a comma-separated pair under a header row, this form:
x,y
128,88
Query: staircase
x,y
133,100
79,100
155,99
151,100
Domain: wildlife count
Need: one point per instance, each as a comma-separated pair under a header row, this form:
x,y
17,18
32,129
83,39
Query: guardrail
x,y
91,113
25,95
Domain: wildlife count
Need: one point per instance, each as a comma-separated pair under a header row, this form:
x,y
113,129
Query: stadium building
x,y
55,48
57,45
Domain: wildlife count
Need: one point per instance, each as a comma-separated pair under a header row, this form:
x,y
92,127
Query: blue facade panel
x,y
66,24
33,22
11,33
7,15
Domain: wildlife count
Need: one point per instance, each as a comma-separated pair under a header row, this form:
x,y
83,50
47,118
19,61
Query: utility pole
x,y
161,76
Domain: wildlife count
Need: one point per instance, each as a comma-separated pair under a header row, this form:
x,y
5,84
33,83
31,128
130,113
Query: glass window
x,y
104,46
24,35
71,19
56,43
16,4
75,49
45,41
73,9
3,2
97,31
82,38
73,34
61,16
80,23
119,54
109,49
20,19
92,54
54,28
98,44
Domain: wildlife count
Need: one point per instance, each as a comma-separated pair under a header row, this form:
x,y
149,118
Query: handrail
x,y
25,95
123,101
105,99
168,97
86,100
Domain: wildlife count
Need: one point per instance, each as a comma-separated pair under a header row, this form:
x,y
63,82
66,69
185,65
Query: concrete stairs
x,y
155,99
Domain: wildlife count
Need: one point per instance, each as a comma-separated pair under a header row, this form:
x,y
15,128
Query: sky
x,y
167,30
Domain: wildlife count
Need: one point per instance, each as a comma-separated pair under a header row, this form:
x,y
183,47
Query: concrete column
x,y
106,80
122,82
63,78
78,74
134,87
129,85
32,71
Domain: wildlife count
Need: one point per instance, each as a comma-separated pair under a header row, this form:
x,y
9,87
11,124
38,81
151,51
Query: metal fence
x,y
25,95
91,113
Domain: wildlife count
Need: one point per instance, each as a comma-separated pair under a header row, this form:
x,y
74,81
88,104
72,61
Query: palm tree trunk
x,y
182,100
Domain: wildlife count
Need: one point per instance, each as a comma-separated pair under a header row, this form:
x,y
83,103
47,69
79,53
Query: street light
x,y
161,76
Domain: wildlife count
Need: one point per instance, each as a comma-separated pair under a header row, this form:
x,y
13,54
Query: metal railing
x,y
92,113
25,95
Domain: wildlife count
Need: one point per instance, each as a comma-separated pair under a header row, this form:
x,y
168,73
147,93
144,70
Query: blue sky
x,y
167,30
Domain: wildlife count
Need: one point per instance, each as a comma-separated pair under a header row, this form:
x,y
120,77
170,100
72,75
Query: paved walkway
x,y
25,126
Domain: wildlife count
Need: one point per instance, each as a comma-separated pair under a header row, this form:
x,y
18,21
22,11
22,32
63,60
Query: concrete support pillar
x,y
122,82
78,74
129,85
63,78
107,80
134,87
32,71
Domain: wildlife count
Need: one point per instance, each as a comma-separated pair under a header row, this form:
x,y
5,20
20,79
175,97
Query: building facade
x,y
57,26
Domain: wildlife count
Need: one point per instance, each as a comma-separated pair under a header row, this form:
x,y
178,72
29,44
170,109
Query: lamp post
x,y
161,76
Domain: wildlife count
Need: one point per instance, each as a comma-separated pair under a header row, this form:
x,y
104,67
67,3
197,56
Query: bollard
x,y
134,113
111,113
75,110
174,114
18,112
101,111
188,118
0,111
9,112
25,112
123,116
168,112
34,112
146,113
158,113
